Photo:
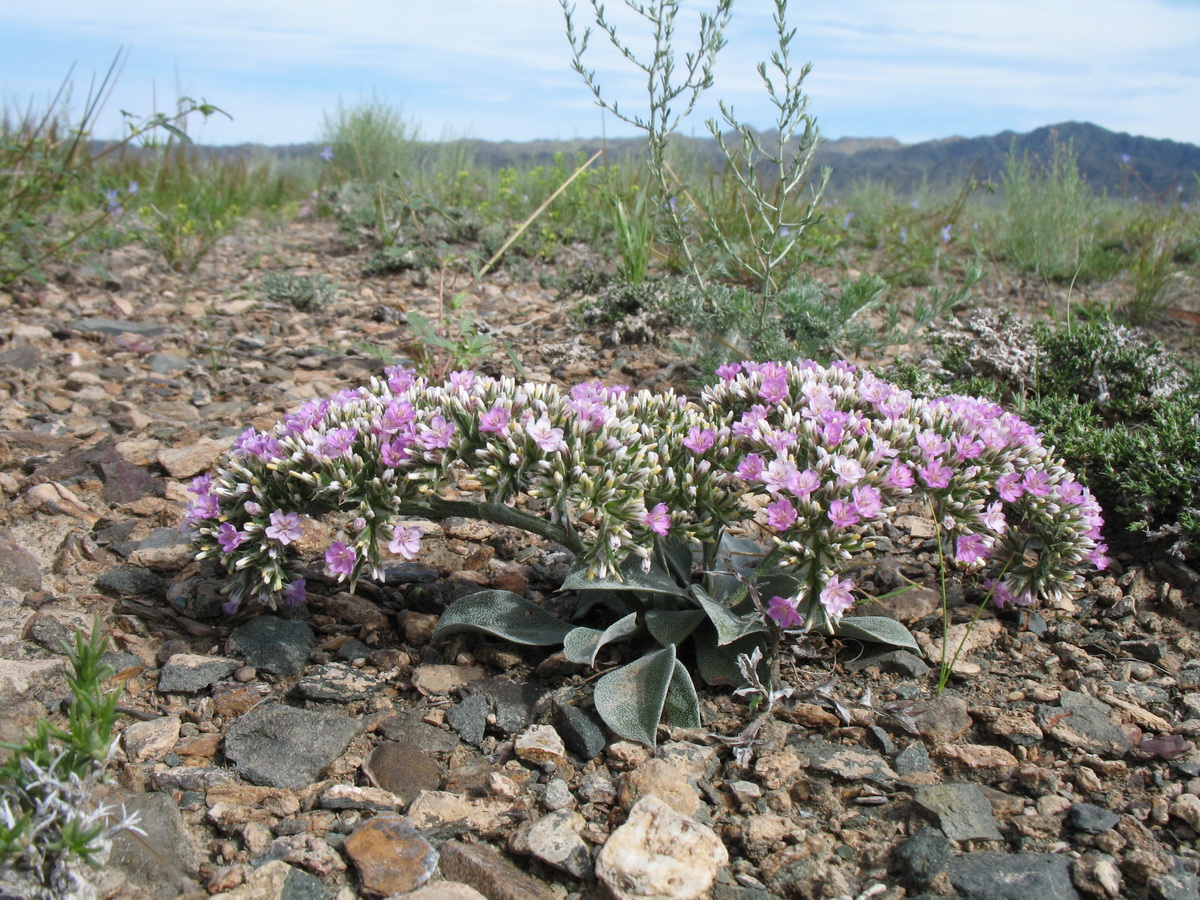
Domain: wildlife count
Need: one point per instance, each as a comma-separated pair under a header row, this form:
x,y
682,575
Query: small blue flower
x,y
327,154
946,234
133,187
847,220
904,234
1125,158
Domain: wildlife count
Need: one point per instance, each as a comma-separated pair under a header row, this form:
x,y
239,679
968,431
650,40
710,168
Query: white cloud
x,y
501,67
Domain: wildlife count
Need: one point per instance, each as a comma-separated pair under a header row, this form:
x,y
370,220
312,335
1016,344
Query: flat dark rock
x,y
280,746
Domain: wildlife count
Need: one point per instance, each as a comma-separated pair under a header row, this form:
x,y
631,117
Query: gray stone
x,y
1018,876
850,763
403,769
1091,818
1174,886
340,683
353,649
19,568
129,581
96,325
581,732
302,886
512,703
923,856
284,747
894,662
409,573
558,795
913,759
555,840
410,726
162,363
163,859
488,872
199,598
469,718
187,672
1083,721
276,646
962,810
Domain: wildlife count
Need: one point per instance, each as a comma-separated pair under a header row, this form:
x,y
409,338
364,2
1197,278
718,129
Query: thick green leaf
x,y
739,555
678,556
630,699
876,629
502,614
682,706
672,626
718,665
730,626
633,578
579,646
625,627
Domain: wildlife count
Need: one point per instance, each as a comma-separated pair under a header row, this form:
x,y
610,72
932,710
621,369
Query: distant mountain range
x,y
1119,164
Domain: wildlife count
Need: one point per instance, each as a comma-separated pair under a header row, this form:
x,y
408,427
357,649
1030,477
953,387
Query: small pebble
x,y
245,674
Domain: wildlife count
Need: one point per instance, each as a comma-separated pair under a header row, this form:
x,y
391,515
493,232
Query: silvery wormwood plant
x,y
721,522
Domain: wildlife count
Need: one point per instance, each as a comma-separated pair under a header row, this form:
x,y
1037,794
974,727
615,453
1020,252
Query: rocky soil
x,y
334,752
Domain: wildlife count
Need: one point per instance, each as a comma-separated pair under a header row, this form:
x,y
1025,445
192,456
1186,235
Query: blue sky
x,y
500,69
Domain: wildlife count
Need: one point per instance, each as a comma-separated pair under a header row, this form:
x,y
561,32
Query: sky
x,y
499,70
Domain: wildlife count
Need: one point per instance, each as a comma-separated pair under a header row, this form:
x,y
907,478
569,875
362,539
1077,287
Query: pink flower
x,y
658,519
779,440
729,371
339,442
867,501
700,439
1002,595
781,515
966,447
284,527
406,541
750,468
801,484
1098,557
899,477
462,379
495,420
394,453
836,596
548,438
936,474
993,518
778,472
747,425
842,514
205,506
436,434
1036,483
397,414
398,378
783,611
775,383
849,471
340,559
1009,487
972,548
294,593
229,538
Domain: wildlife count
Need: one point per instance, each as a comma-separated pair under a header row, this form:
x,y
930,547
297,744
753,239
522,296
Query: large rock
x,y
390,855
283,747
659,854
1013,876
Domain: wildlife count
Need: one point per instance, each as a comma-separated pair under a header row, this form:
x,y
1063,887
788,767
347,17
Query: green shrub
x,y
303,292
1123,411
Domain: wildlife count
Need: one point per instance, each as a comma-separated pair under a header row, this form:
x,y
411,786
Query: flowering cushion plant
x,y
807,460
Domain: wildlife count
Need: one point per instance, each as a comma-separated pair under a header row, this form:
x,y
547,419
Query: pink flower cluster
x,y
809,458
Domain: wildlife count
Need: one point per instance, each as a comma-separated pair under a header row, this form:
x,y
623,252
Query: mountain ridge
x,y
1117,163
